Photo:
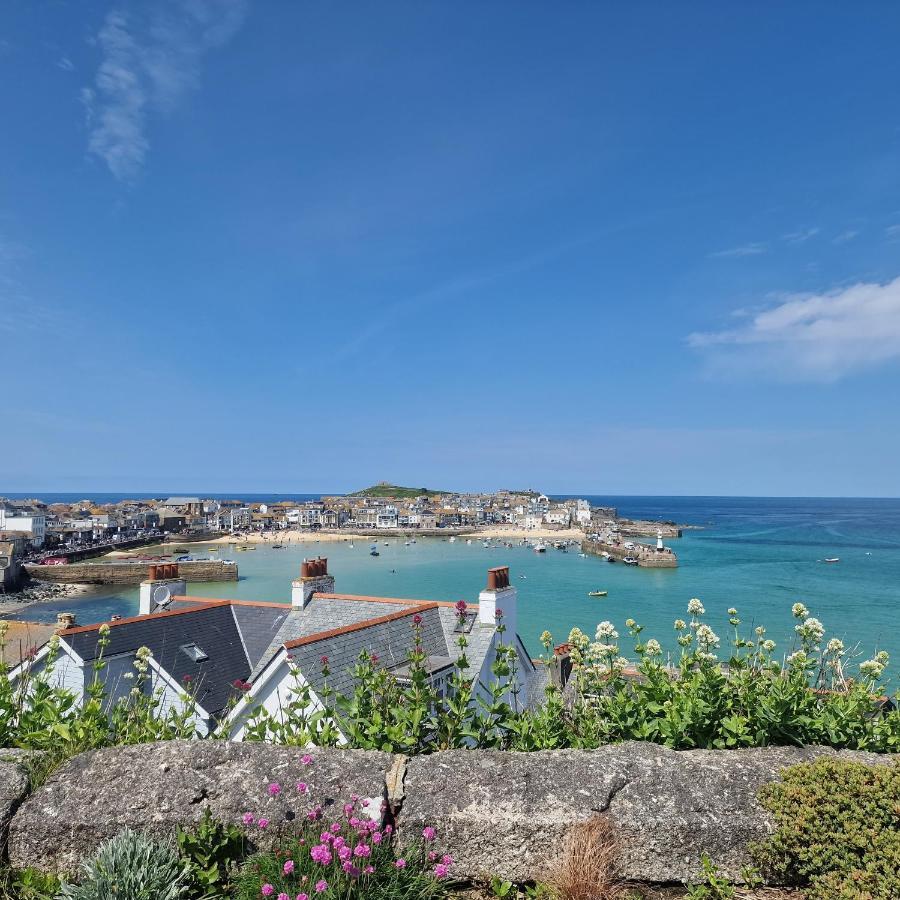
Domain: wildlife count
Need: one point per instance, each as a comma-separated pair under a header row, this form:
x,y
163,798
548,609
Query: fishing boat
x,y
540,548
597,593
629,560
453,540
832,559
278,546
374,553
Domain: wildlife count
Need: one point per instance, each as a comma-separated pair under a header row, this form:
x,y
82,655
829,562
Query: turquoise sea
x,y
758,554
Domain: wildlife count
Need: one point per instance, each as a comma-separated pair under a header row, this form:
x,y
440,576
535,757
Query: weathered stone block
x,y
506,813
156,787
13,788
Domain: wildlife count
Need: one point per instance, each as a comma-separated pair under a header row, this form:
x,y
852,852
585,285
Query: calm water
x,y
760,555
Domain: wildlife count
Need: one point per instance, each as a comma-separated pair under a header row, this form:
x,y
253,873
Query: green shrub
x,y
837,830
27,884
131,866
212,850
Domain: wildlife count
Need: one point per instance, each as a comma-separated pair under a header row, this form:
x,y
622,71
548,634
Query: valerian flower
x,y
767,645
811,630
799,611
695,607
653,648
707,637
546,640
680,625
606,630
835,646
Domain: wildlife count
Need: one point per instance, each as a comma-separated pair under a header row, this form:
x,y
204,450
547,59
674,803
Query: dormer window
x,y
193,652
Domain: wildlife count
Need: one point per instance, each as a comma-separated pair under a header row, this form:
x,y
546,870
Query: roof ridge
x,y
82,629
358,626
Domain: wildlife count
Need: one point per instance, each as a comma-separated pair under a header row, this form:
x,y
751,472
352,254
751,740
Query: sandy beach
x,y
499,532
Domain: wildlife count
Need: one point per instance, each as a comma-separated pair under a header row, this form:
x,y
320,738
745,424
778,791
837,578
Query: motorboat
x,y
597,593
832,559
630,561
540,548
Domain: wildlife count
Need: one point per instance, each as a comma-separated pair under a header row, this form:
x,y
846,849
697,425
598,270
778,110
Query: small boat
x,y
832,559
540,548
469,541
453,540
212,549
597,593
278,546
406,543
374,553
630,561
610,559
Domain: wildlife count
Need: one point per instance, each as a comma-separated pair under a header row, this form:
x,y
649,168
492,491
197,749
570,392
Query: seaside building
x,y
224,660
24,518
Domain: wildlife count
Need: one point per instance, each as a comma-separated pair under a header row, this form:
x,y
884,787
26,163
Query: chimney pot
x,y
304,569
153,573
492,580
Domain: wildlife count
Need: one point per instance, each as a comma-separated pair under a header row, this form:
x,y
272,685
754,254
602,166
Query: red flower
x,y
324,660
417,619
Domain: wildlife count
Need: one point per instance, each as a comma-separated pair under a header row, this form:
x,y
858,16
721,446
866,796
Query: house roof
x,y
21,639
239,639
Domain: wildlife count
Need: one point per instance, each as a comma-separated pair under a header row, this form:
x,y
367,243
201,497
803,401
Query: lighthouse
x,y
659,543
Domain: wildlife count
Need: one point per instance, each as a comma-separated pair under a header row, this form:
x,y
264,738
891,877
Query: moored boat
x,y
597,593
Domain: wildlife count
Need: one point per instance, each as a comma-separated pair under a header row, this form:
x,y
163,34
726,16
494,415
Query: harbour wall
x,y
130,572
647,557
631,528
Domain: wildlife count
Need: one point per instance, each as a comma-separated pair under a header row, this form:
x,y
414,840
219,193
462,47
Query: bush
x,y
212,850
131,866
27,884
349,856
837,830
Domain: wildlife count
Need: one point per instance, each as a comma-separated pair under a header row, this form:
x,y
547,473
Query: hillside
x,y
394,491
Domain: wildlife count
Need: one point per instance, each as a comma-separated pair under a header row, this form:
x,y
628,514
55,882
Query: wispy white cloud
x,y
800,237
844,236
820,337
892,232
151,55
742,250
65,64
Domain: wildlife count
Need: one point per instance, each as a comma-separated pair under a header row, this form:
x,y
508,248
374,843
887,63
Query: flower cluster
x,y
346,855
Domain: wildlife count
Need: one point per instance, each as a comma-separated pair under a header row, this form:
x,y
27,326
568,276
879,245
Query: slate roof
x,y
211,626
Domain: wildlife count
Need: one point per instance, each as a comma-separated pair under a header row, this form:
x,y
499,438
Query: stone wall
x,y
647,557
130,572
496,813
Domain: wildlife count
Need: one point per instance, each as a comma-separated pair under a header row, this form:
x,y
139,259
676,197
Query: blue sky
x,y
600,248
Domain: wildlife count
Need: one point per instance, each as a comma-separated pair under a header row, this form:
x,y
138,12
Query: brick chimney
x,y
65,620
163,582
499,594
314,579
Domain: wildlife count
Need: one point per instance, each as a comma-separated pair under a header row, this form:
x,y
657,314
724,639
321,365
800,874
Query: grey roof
x,y
391,641
324,612
259,626
180,501
211,627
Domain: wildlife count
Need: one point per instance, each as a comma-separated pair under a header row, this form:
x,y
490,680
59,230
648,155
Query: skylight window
x,y
193,652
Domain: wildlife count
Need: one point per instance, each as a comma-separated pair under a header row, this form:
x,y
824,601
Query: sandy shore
x,y
323,537
40,592
507,533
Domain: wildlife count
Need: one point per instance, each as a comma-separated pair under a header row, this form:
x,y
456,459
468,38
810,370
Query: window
x,y
193,652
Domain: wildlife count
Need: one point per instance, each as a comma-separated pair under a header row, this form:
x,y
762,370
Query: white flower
x,y
732,611
680,625
872,669
768,646
653,648
835,646
706,657
695,607
707,637
811,629
797,658
606,630
759,630
630,623
799,611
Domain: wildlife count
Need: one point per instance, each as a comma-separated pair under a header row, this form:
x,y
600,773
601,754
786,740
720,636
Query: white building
x,y
35,524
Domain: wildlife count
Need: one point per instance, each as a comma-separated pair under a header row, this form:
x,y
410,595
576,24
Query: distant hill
x,y
383,489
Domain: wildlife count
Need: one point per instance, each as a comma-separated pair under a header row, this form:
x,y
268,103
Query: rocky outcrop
x,y
156,787
506,813
13,787
497,813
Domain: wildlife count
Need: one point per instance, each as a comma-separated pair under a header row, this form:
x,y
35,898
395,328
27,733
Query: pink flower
x,y
335,827
283,896
274,789
302,787
417,619
302,897
362,850
400,864
263,823
368,870
432,856
428,833
373,658
324,660
447,859
354,822
267,890
344,853
440,870
247,818
321,853
461,607
376,837
321,886
388,829
365,803
288,868
306,759
498,614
